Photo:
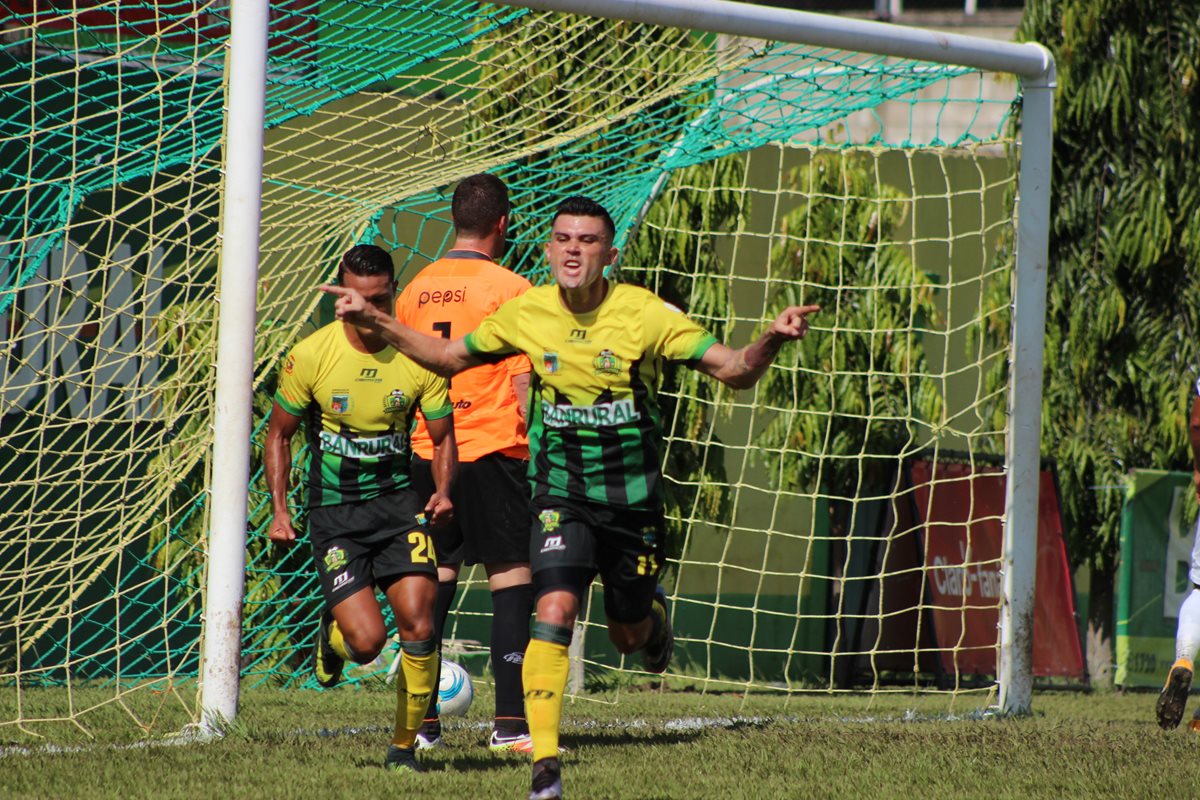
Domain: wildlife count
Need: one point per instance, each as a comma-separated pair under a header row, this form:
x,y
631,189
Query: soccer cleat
x,y
430,734
401,759
1173,699
656,655
327,665
547,780
519,743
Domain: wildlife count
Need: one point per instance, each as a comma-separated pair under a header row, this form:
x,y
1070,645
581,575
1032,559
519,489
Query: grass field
x,y
305,744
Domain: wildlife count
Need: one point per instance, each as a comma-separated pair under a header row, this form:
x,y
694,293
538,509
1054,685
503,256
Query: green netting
x,y
106,105
700,123
110,196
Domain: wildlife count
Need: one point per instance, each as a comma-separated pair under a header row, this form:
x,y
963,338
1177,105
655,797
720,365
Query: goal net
x,y
743,175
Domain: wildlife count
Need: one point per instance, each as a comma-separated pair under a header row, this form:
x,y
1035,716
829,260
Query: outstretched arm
x,y
742,368
445,357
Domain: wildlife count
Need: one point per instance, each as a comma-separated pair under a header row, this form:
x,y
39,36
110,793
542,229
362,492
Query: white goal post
x,y
238,293
1031,63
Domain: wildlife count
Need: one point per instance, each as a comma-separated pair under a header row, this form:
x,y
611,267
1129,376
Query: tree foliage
x,y
1123,298
869,370
673,253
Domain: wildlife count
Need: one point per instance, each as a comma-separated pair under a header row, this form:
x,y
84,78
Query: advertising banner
x,y
961,510
1152,577
171,21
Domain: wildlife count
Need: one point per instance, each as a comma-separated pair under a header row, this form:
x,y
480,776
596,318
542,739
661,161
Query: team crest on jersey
x,y
395,402
550,362
649,535
339,403
335,559
550,520
289,366
606,363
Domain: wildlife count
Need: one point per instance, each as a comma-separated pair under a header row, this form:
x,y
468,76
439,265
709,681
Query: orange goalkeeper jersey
x,y
449,298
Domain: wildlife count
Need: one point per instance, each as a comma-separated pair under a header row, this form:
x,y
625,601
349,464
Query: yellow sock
x,y
414,685
545,677
338,642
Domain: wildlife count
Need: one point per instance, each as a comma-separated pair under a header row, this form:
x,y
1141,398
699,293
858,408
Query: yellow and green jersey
x,y
595,429
359,410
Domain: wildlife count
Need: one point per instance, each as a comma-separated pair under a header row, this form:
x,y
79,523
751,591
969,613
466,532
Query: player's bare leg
x,y
652,635
353,630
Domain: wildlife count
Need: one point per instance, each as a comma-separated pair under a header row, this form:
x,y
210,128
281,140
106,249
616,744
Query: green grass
x,y
305,744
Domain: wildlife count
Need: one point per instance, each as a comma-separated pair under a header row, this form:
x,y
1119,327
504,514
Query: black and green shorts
x,y
571,542
370,543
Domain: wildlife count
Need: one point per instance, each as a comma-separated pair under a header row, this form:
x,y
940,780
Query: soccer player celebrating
x,y
597,348
1173,699
365,522
491,501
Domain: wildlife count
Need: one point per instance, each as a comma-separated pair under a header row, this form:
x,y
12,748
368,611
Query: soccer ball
x,y
455,691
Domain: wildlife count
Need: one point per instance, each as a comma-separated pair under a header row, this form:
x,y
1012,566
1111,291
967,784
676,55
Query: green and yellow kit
x,y
359,411
595,428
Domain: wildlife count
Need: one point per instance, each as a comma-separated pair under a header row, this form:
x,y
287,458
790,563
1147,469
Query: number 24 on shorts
x,y
647,565
422,547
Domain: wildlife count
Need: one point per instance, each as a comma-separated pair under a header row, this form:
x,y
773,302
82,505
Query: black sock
x,y
441,610
511,610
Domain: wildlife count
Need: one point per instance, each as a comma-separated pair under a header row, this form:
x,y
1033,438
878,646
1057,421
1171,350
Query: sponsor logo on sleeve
x,y
289,366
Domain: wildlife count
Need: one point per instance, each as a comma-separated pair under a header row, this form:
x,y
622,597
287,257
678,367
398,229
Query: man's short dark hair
x,y
578,206
479,202
366,259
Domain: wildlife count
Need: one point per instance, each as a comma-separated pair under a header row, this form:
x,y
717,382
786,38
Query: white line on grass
x,y
186,737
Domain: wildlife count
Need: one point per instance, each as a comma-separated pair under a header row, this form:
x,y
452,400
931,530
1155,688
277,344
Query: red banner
x,y
292,24
962,513
171,19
